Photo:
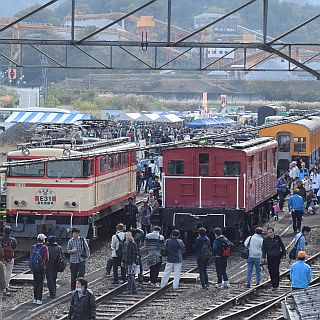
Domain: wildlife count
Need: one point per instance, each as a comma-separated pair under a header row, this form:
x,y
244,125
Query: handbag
x,y
62,261
293,251
245,250
132,268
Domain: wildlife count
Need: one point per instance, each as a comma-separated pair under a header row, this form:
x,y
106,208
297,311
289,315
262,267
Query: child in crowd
x,y
276,209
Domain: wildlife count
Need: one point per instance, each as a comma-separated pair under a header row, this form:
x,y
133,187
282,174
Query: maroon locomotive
x,y
219,185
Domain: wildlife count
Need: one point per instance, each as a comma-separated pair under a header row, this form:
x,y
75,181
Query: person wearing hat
x,y
52,268
38,266
117,243
79,252
296,207
130,214
144,216
294,171
300,273
9,245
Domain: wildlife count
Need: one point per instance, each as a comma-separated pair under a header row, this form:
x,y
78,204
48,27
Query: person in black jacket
x,y
202,256
130,260
83,302
52,267
273,249
138,236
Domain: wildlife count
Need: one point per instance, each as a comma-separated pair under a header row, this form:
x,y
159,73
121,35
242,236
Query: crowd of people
x,y
303,188
139,226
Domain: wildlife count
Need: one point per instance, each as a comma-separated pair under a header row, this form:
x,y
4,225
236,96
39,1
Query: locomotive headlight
x,y
16,202
74,204
25,151
23,203
66,152
67,204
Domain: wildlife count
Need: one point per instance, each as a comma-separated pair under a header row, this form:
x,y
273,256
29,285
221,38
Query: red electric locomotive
x,y
219,185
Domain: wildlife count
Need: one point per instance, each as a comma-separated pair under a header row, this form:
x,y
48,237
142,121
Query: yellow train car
x,y
297,141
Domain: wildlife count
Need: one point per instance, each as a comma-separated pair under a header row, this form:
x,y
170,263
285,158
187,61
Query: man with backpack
x,y
299,240
154,244
39,258
79,252
174,248
221,251
254,245
55,251
117,244
203,251
8,244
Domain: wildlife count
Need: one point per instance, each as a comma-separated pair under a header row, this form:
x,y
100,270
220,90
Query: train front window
x,y
27,170
284,141
69,169
203,164
300,144
175,167
232,168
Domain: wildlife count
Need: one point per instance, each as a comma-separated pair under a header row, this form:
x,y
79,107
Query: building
x,y
225,26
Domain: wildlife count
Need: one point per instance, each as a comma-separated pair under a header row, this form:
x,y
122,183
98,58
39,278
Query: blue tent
x,y
210,122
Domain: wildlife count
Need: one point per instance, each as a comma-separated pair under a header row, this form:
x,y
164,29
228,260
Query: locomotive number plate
x,y
45,198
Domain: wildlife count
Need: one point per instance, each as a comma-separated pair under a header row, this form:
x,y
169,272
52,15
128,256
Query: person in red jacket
x,y
39,258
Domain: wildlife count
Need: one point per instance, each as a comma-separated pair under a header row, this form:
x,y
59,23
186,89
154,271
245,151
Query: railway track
x,y
116,305
256,302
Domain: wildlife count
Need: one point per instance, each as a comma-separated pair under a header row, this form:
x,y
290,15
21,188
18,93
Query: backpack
x,y
293,251
225,249
119,251
36,260
206,250
8,252
62,261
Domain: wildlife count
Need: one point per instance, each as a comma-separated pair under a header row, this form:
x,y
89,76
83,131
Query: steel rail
x,y
274,304
215,136
130,310
243,296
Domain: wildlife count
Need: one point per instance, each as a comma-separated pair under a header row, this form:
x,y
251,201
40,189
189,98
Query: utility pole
x,y
44,78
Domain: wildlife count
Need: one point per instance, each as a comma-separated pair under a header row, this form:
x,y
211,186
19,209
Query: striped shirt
x,y
154,241
82,249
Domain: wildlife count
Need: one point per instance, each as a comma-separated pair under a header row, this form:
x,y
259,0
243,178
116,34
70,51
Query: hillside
x,y
9,8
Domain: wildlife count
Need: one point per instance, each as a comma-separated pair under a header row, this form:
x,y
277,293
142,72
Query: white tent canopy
x,y
169,118
149,117
128,117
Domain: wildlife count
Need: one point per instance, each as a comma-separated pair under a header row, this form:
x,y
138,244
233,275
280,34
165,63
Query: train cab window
x,y
27,170
284,142
103,163
110,162
300,144
250,166
133,155
232,168
69,169
265,161
260,162
203,164
124,159
175,167
118,160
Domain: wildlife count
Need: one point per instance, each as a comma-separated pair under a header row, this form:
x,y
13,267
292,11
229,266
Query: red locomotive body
x,y
219,186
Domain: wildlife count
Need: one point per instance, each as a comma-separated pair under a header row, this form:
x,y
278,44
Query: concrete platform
x,y
187,277
21,277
